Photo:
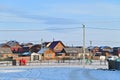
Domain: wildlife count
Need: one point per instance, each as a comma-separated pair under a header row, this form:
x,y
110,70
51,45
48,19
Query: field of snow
x,y
57,73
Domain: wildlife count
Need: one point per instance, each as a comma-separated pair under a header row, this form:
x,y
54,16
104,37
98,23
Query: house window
x,y
57,48
35,57
49,55
58,54
67,54
7,56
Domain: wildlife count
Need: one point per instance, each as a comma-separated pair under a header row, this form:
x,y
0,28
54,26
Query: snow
x,y
57,73
10,71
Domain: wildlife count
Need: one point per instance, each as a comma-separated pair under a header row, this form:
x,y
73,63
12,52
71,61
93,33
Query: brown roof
x,y
5,50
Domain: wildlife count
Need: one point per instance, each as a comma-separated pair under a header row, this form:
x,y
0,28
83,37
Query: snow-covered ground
x,y
57,73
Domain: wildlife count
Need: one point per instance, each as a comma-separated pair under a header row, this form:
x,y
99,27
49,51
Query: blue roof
x,y
53,44
26,53
42,50
12,43
102,47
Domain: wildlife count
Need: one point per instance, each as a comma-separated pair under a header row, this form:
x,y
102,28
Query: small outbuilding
x,y
35,56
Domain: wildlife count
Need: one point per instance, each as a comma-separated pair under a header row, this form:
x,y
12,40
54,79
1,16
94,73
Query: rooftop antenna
x,y
53,39
41,42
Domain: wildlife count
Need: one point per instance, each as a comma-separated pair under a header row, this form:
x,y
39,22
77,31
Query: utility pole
x,y
83,45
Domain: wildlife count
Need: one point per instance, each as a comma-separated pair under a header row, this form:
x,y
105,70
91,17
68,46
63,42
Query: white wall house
x,y
35,57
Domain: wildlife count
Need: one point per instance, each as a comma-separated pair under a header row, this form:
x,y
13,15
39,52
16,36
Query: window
x,y
49,55
57,48
58,54
67,54
36,57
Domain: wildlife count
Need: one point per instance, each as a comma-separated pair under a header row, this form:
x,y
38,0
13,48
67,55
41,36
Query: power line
x,y
39,29
57,29
104,28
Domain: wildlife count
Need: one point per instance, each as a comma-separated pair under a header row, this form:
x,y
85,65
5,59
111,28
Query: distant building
x,y
53,50
6,53
75,52
35,57
116,51
4,45
57,47
35,48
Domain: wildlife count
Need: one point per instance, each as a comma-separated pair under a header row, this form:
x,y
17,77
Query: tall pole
x,y
90,47
83,46
41,42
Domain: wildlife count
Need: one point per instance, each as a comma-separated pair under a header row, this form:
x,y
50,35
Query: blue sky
x,y
51,14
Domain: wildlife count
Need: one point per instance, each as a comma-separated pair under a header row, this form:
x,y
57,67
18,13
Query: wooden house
x,y
15,46
49,54
6,53
57,47
52,50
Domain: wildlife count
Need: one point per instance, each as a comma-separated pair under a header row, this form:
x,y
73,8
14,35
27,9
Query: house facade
x,y
6,53
49,54
55,49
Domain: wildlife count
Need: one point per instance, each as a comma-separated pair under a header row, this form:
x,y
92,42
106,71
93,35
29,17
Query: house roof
x,y
4,45
75,50
35,48
12,43
26,53
5,50
42,50
54,43
35,53
46,44
105,47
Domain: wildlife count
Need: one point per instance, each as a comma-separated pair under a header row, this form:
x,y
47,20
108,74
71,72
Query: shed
x,y
35,57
